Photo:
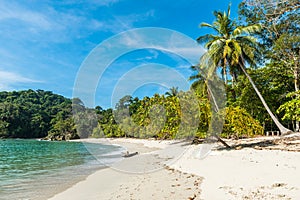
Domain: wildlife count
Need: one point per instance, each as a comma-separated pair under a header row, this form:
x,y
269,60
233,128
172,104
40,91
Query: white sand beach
x,y
176,170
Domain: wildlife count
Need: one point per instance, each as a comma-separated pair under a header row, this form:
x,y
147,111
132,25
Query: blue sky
x,y
45,42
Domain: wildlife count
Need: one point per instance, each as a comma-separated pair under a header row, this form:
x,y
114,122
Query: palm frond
x,y
256,28
206,38
228,9
248,54
236,52
227,51
194,67
204,24
194,77
230,46
248,41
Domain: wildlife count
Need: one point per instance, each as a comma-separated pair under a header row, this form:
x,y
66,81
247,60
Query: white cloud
x,y
119,23
8,79
62,26
14,11
169,41
153,55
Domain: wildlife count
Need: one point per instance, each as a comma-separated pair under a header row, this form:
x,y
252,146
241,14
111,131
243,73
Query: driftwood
x,y
284,143
210,140
127,154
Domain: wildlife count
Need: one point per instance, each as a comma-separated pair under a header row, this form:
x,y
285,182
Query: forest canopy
x,y
35,114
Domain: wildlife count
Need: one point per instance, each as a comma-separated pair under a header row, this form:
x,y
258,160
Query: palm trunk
x,y
225,77
216,110
296,82
297,126
296,78
282,129
225,73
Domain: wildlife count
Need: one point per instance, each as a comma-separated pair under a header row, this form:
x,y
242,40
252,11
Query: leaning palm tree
x,y
202,85
231,49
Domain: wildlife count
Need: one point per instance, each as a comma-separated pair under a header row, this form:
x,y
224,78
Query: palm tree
x,y
231,49
198,78
173,92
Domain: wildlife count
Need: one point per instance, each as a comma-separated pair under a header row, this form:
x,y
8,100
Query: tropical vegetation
x,y
35,114
254,60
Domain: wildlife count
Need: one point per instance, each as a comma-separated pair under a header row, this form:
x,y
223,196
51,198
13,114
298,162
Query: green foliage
x,y
240,124
273,84
34,114
291,108
178,114
234,46
86,121
174,116
280,34
231,47
63,129
183,116
107,126
30,114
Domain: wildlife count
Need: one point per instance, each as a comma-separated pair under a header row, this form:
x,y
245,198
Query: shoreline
x,y
246,173
144,176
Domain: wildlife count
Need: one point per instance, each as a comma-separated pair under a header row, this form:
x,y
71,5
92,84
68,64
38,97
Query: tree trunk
x,y
282,129
225,73
296,78
223,142
296,125
216,110
296,81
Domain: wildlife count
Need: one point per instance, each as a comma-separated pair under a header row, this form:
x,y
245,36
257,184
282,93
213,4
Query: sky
x,y
59,45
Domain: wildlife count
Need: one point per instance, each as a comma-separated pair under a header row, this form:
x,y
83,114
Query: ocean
x,y
36,170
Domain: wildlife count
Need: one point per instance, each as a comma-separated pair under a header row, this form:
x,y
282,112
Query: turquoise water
x,y
32,169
